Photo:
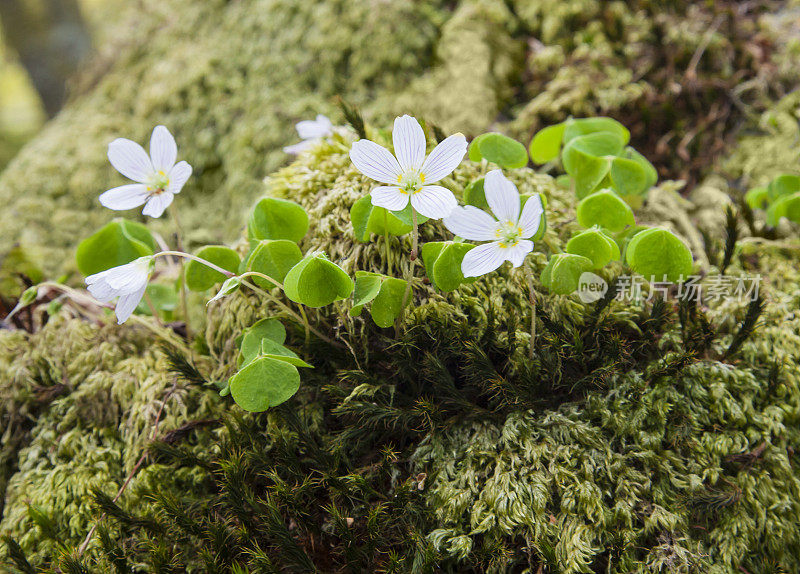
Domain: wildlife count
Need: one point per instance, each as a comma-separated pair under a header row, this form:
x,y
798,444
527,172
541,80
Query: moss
x,y
80,404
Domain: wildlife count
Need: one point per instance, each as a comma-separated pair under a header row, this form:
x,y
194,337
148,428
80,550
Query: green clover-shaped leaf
x,y
562,273
443,263
594,245
785,184
200,277
606,209
263,383
253,337
385,293
316,281
787,206
757,198
116,243
499,149
367,219
660,254
274,258
274,218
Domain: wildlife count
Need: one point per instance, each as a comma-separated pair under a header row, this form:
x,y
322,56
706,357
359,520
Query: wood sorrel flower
x,y
508,231
410,174
158,177
310,131
128,282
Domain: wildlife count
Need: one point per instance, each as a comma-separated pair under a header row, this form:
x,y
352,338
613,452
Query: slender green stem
x,y
225,272
532,296
410,273
153,309
291,312
182,277
386,242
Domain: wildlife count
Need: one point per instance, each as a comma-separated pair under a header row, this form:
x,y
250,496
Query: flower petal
x,y
124,197
300,147
130,159
531,217
375,161
471,223
125,278
444,158
101,290
483,259
502,196
163,149
409,143
434,201
156,205
518,253
127,304
312,129
178,176
389,197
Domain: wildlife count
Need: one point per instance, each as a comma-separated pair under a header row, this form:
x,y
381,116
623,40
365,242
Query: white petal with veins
x,y
471,223
531,217
130,159
409,143
163,149
124,197
483,259
502,196
434,201
389,197
156,205
375,161
178,176
444,158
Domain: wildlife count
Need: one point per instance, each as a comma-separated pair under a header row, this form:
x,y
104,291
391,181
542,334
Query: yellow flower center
x,y
158,183
410,182
508,232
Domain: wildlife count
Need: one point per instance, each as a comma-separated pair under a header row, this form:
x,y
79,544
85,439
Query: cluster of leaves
x,y
781,198
595,154
609,177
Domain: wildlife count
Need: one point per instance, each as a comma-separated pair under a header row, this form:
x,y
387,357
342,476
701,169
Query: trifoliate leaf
x,y
274,258
588,159
562,273
251,345
404,215
628,178
546,144
387,306
787,206
367,287
200,277
606,209
595,245
316,281
116,243
659,254
274,218
443,263
651,175
265,382
785,184
501,150
367,218
579,127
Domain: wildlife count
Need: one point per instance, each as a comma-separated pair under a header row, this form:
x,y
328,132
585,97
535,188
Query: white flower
x,y
310,131
127,282
410,174
158,177
509,233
